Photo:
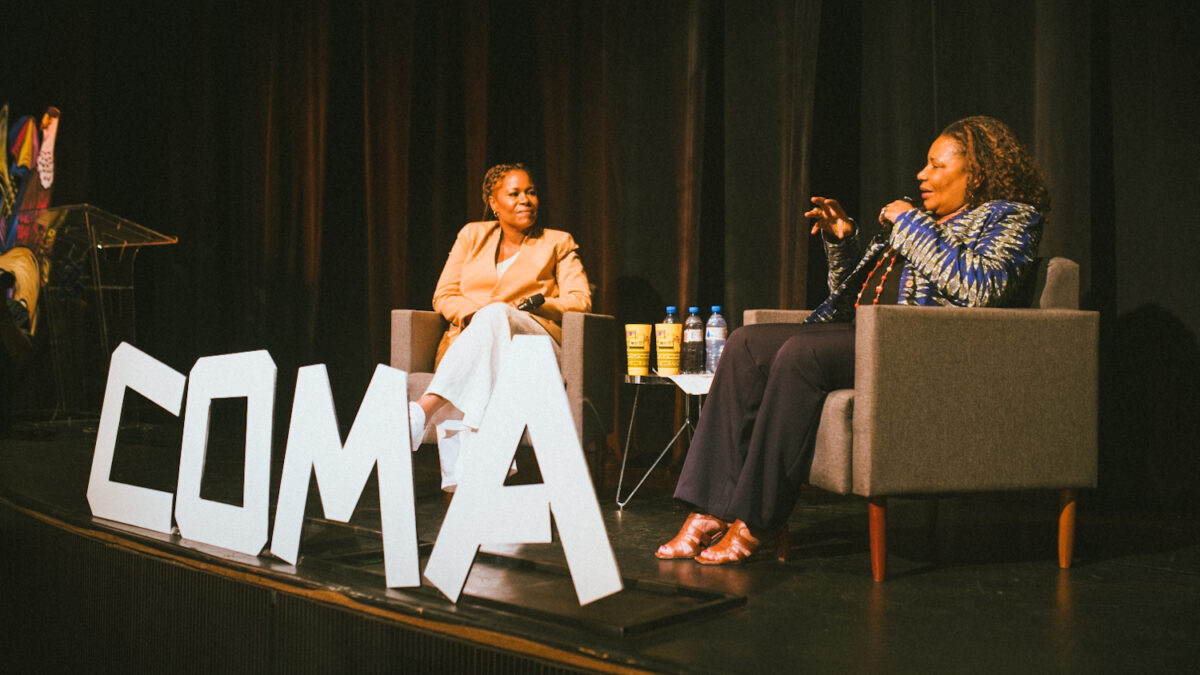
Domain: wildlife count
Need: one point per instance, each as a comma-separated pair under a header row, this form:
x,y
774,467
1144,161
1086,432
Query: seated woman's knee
x,y
493,313
795,354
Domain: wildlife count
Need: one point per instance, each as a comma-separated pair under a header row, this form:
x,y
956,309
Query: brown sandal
x,y
739,545
698,531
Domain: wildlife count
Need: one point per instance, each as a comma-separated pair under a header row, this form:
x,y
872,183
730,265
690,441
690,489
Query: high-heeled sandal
x,y
698,531
739,545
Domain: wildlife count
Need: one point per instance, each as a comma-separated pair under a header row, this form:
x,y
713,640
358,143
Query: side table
x,y
693,385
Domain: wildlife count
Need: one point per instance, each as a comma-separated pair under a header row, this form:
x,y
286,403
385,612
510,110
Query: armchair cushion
x,y
1058,284
832,465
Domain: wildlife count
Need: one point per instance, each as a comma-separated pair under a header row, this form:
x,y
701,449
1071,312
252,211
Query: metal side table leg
x,y
686,426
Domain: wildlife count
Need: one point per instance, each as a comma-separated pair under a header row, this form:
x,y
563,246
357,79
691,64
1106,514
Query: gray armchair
x,y
587,364
954,400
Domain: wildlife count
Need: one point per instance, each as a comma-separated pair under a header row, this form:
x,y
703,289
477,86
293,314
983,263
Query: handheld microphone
x,y
531,303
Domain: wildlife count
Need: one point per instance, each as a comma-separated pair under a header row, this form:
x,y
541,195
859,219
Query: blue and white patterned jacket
x,y
976,259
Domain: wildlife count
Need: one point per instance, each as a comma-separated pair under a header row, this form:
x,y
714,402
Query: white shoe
x,y
453,437
416,424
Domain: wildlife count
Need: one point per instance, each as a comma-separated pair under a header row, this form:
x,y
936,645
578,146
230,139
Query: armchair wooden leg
x,y
1066,528
877,511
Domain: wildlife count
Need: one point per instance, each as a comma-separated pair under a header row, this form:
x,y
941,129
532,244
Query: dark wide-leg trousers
x,y
753,446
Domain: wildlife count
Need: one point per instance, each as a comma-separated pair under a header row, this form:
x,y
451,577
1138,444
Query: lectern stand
x,y
87,304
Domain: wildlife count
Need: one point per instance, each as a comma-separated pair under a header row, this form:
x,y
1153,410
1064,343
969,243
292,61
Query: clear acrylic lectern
x,y
87,306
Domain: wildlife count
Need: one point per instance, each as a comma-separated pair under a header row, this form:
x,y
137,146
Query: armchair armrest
x,y
953,399
415,338
750,316
588,348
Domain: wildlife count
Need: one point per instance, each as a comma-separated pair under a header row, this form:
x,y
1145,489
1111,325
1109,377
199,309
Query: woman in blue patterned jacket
x,y
971,244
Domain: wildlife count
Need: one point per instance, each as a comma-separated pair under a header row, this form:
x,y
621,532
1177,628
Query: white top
x,y
503,265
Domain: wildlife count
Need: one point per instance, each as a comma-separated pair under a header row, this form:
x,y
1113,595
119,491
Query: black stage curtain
x,y
316,158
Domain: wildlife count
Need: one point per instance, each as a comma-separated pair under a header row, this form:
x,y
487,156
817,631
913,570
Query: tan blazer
x,y
548,263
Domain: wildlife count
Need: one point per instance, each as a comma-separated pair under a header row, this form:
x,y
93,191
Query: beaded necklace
x,y
879,288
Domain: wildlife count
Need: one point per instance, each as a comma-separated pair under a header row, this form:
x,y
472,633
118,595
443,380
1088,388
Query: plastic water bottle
x,y
691,358
667,343
714,338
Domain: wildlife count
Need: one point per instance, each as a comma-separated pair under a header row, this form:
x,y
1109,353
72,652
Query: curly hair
x,y
999,165
497,173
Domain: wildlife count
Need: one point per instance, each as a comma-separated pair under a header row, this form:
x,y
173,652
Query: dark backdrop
x,y
316,158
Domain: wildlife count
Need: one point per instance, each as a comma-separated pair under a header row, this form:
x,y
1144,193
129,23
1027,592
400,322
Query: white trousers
x,y
467,374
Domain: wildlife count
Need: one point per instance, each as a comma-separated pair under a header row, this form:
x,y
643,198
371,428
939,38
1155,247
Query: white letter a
x,y
529,393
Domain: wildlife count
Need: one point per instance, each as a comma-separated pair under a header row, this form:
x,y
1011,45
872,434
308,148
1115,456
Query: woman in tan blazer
x,y
493,266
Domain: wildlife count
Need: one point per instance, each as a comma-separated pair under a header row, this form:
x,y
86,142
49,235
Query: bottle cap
x,y
693,310
716,308
670,309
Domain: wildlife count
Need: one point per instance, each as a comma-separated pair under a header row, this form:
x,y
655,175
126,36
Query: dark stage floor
x,y
983,594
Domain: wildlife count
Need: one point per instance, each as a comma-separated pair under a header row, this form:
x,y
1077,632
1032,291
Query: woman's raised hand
x,y
830,218
888,214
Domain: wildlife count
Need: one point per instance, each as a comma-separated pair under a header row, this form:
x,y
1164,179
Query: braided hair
x,y
998,164
496,174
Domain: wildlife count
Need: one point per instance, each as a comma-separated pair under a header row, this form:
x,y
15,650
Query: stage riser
x,y
72,602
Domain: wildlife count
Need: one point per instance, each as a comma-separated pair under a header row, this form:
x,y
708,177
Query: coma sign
x,y
528,395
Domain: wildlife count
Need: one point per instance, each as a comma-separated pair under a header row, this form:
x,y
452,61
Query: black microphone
x,y
531,303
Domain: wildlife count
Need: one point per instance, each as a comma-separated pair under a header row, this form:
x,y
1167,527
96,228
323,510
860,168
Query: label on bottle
x,y
715,332
693,335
